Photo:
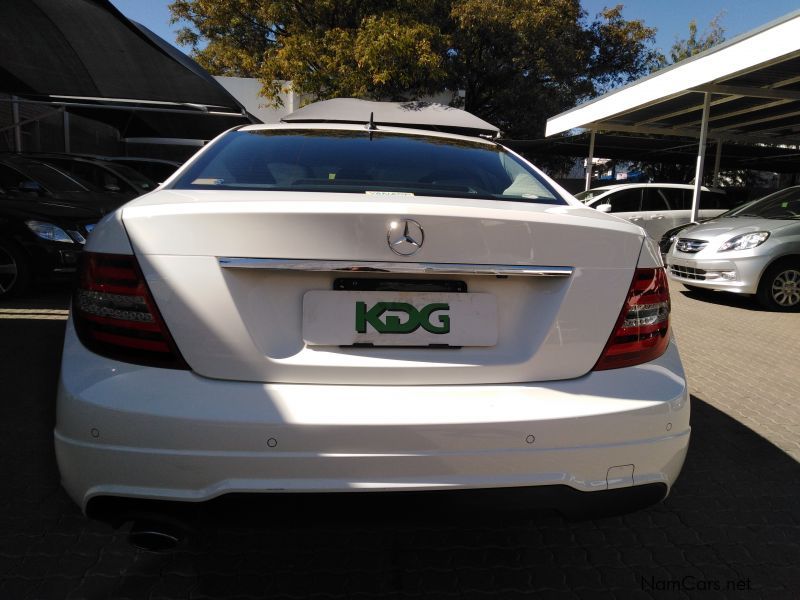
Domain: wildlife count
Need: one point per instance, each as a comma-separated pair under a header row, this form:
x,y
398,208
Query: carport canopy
x,y
745,90
87,58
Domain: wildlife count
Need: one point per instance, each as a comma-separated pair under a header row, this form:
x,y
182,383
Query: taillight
x,y
642,330
115,316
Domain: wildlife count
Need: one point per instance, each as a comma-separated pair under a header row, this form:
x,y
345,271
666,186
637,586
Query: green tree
x,y
684,48
326,48
519,61
522,61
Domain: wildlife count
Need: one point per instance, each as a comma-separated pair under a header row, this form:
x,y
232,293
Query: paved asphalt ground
x,y
730,528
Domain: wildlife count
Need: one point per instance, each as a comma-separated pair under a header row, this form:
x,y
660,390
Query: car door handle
x,y
654,217
634,218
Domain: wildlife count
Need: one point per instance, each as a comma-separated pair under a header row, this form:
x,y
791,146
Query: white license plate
x,y
339,318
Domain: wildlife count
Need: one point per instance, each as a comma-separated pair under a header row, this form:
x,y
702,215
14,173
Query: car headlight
x,y
746,241
49,232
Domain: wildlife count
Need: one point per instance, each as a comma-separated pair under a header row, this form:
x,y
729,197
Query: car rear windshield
x,y
365,162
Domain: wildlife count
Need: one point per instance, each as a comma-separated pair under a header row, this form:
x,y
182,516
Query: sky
x,y
670,17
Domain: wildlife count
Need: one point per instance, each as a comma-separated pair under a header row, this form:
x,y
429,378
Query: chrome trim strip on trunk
x,y
411,268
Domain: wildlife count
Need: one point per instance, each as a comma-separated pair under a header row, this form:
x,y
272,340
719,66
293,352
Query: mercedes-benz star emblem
x,y
405,237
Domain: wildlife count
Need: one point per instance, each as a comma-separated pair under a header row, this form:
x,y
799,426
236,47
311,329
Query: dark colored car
x,y
112,178
155,169
45,216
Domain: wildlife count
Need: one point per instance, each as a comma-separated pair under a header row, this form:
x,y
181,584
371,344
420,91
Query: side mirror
x,y
30,187
604,208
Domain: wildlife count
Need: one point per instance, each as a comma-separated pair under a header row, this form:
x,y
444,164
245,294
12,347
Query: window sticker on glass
x,y
208,181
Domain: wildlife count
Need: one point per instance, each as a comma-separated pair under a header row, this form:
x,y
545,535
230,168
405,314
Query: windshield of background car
x,y
52,179
784,204
135,177
365,162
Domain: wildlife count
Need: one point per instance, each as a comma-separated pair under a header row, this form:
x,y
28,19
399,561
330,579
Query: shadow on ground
x,y
731,520
725,299
49,296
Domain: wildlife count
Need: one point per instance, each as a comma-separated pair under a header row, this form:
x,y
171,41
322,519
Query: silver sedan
x,y
754,249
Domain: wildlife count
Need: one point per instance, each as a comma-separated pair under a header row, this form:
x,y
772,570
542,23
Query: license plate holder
x,y
390,318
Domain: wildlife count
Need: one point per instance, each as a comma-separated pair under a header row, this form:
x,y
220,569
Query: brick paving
x,y
743,361
730,528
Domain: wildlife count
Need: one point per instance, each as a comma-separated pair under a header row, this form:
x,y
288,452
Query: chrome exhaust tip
x,y
155,536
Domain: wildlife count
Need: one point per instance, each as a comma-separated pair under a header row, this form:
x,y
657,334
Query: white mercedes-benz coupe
x,y
369,297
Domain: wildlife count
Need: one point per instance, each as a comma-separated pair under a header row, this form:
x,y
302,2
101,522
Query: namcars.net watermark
x,y
690,583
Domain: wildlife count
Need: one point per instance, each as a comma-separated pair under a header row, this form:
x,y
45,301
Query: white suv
x,y
361,307
657,207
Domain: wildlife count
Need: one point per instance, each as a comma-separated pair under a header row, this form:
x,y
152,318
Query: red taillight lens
x,y
642,330
115,316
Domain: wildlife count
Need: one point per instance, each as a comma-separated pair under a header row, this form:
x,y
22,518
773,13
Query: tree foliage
x,y
684,48
521,61
518,61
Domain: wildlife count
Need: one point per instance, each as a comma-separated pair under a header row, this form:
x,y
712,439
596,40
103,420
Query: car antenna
x,y
371,125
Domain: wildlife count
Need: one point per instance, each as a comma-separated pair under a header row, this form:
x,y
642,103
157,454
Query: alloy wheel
x,y
786,288
8,271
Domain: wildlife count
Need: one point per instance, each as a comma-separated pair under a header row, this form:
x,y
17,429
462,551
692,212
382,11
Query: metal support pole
x,y
589,161
701,157
66,131
717,158
17,128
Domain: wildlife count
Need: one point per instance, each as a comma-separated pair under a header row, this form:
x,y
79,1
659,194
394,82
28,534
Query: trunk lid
x,y
236,319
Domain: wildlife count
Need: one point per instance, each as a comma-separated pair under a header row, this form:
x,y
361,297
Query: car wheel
x,y
779,288
15,274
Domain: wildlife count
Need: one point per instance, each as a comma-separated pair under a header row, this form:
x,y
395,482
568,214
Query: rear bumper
x,y
125,431
251,510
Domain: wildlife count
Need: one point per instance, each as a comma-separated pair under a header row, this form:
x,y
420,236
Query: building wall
x,y
248,91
